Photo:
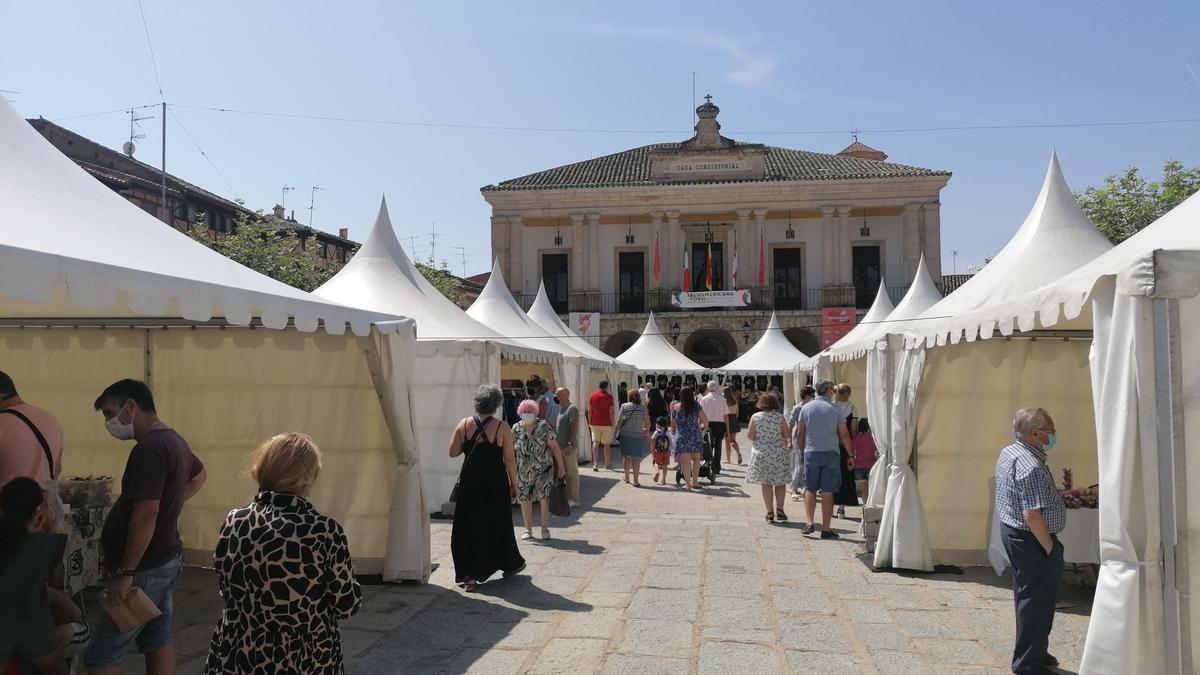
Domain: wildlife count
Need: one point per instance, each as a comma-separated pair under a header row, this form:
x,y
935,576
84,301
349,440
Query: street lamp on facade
x,y
674,332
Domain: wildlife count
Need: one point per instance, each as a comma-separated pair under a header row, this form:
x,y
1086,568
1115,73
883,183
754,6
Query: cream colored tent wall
x,y
225,391
853,373
1189,573
444,382
967,398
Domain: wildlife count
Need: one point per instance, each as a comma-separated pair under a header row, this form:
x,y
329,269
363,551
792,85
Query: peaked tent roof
x,y
1055,239
542,313
1136,262
921,296
773,353
62,230
380,277
878,313
652,353
496,308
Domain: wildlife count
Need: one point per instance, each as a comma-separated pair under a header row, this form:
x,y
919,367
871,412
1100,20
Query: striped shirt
x,y
1024,483
631,420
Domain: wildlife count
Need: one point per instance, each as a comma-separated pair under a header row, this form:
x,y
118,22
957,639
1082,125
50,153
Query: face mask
x,y
528,418
119,431
1051,439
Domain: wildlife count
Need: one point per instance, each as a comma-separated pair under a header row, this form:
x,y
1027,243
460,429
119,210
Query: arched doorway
x,y
803,339
618,343
711,347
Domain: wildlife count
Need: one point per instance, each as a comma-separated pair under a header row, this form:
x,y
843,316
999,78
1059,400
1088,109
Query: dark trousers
x,y
716,431
1036,577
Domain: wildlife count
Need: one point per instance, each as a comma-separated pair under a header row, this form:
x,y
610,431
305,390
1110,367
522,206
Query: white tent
x,y
651,353
773,354
959,399
93,289
455,353
1145,392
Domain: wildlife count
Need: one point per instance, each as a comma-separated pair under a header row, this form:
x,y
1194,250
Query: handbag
x,y
479,427
558,502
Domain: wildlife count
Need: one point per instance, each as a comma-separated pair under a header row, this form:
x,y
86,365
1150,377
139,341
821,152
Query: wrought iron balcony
x,y
659,301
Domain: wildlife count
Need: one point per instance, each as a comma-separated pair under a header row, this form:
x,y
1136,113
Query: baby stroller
x,y
706,457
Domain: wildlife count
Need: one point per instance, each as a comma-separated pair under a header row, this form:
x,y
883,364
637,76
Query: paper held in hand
x,y
134,611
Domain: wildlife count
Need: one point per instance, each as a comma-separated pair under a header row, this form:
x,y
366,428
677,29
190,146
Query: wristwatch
x,y
123,572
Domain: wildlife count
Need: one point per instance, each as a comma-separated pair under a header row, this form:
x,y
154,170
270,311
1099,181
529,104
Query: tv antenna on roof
x,y
129,147
312,202
463,253
433,235
283,194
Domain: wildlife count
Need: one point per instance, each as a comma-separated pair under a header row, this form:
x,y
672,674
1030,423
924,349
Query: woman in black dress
x,y
481,539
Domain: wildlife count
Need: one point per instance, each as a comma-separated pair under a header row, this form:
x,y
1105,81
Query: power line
x,y
568,130
105,112
153,59
203,153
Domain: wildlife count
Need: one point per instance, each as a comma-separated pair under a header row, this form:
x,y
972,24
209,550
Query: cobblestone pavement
x,y
655,580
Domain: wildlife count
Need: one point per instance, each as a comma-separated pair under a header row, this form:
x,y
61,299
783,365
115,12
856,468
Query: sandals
x,y
780,516
526,535
470,586
545,533
770,517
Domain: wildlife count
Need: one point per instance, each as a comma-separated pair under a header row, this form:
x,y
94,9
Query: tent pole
x,y
1165,328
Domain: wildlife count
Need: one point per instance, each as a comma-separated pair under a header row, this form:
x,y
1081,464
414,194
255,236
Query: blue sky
x,y
771,66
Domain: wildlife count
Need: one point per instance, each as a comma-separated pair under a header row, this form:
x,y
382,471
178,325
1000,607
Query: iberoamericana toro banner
x,y
710,299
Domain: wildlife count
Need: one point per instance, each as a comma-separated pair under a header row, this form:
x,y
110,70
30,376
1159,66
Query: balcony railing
x,y
761,299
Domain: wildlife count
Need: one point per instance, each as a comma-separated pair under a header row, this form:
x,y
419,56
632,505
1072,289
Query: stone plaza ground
x,y
656,580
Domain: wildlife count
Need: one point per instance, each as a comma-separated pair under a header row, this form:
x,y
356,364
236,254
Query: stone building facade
x,y
799,230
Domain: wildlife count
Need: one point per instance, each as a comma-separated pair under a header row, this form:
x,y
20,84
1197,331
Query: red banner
x,y
835,323
656,269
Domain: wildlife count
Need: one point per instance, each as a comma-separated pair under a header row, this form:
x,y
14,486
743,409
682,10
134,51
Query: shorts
x,y
862,474
602,435
822,471
108,647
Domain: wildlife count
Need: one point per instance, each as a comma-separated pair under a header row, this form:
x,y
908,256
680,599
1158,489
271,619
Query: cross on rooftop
x,y
708,98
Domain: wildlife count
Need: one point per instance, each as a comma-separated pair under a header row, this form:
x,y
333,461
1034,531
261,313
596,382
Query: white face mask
x,y
119,431
528,418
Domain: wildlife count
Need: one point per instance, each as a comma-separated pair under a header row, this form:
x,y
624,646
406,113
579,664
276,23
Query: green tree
x,y
442,280
275,252
1127,203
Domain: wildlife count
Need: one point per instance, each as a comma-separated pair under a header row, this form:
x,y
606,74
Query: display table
x,y
81,561
1080,539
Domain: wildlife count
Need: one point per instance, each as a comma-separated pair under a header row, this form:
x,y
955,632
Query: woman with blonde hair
x,y
283,570
770,455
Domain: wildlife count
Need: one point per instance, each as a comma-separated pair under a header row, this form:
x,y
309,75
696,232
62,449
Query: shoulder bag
x,y
36,434
467,452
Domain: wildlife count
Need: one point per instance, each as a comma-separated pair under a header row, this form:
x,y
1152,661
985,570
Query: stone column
x,y
829,275
745,249
759,245
516,273
844,249
674,255
499,242
932,243
578,262
593,227
657,234
912,241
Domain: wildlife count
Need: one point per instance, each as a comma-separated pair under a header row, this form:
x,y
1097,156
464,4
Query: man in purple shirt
x,y
140,539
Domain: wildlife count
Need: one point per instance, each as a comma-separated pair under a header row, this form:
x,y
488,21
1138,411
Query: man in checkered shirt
x,y
1031,513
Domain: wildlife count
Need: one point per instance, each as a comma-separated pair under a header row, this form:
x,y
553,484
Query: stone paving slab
x,y
657,580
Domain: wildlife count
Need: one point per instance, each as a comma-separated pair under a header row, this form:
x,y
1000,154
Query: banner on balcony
x,y
836,322
688,300
587,326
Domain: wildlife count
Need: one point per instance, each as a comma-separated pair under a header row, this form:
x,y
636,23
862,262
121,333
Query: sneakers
x,y
830,534
545,533
808,529
526,535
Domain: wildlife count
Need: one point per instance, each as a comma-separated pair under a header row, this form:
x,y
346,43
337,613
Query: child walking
x,y
660,444
865,453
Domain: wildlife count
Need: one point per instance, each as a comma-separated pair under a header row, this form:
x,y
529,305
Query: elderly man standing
x,y
715,409
1031,513
566,431
819,428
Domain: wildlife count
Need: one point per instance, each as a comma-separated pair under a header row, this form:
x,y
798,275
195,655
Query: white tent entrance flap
x,y
879,392
903,538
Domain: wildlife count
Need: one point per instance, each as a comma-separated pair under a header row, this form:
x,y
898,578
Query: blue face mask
x,y
1051,439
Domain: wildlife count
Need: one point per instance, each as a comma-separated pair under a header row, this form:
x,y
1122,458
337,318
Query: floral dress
x,y
770,460
285,575
687,438
535,462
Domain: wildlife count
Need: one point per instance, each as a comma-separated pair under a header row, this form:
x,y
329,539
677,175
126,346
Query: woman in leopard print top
x,y
284,572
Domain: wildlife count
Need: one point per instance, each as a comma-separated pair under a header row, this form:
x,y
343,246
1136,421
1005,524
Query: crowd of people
x,y
284,571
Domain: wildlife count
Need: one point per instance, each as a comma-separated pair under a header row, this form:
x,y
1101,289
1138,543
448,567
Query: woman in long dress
x,y
537,454
481,539
770,455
